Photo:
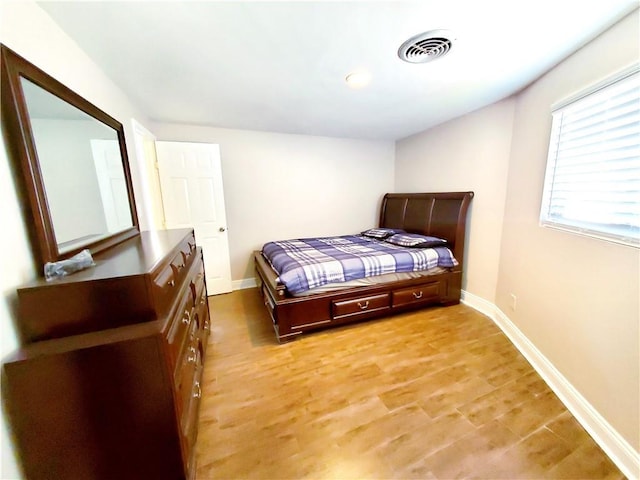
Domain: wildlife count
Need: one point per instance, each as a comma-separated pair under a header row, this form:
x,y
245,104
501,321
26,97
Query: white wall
x,y
281,186
578,298
470,153
26,29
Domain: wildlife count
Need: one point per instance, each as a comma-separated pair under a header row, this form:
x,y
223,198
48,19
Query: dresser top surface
x,y
136,256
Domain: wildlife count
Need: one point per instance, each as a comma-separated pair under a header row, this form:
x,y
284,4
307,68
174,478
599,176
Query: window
x,y
592,182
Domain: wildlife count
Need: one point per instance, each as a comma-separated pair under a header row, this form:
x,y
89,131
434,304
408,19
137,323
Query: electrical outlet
x,y
514,300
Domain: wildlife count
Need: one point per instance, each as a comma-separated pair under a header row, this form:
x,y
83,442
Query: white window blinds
x,y
592,182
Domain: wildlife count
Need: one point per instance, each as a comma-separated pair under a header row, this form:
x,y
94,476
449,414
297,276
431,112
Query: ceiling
x,y
280,66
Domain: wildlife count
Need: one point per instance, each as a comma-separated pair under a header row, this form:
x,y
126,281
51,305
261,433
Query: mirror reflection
x,y
82,170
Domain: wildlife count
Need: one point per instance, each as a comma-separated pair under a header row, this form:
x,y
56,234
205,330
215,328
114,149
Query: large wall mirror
x,y
72,161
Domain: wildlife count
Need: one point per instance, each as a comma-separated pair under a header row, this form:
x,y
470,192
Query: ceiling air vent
x,y
427,46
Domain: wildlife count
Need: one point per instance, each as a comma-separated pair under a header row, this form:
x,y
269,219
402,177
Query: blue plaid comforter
x,y
303,264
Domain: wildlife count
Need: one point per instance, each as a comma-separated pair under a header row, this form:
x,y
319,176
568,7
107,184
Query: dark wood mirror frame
x,y
22,151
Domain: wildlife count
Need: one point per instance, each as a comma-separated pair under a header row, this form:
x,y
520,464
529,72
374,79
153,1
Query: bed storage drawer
x,y
425,292
359,306
269,303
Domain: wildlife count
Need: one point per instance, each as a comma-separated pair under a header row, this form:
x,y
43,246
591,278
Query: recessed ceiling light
x,y
358,79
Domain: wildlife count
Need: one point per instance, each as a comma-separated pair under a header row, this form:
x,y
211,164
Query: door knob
x,y
222,229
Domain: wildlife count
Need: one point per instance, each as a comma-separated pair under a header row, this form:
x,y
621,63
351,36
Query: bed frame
x,y
437,214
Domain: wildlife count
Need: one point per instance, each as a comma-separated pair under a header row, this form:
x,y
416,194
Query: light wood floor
x,y
439,393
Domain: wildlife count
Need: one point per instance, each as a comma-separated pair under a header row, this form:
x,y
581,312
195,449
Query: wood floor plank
x,y
435,394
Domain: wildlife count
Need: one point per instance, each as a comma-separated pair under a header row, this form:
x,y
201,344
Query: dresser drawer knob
x,y
206,326
364,306
417,295
198,390
192,358
171,283
186,318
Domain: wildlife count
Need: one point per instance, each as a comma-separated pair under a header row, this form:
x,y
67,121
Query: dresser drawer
x,y
188,249
179,326
414,295
189,422
196,283
189,391
190,359
165,288
202,309
194,405
168,281
359,306
183,259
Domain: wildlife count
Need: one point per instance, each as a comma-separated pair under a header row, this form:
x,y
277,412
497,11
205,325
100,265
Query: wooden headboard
x,y
436,214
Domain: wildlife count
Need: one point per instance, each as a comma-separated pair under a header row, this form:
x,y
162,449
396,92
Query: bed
x,y
441,215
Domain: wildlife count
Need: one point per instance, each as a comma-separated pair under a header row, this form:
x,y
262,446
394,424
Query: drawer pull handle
x,y
186,318
417,295
198,392
192,358
206,326
365,306
171,283
203,300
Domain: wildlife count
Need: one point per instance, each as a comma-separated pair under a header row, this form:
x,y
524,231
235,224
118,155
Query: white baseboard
x,y
244,283
619,450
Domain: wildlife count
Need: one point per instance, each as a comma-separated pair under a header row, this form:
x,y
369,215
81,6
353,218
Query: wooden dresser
x,y
107,385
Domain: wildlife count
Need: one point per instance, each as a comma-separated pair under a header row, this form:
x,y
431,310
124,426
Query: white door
x,y
192,195
112,184
150,211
